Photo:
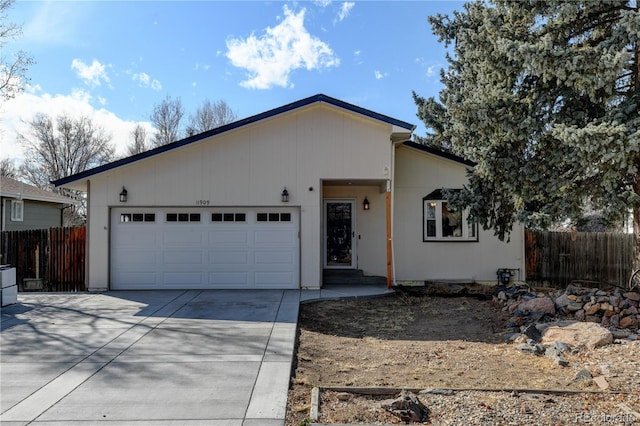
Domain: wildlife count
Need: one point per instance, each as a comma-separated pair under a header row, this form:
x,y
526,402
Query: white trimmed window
x,y
441,222
17,210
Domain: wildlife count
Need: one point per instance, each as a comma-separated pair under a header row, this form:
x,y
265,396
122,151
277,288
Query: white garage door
x,y
208,248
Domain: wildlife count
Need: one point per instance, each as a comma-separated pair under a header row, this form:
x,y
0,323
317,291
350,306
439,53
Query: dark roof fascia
x,y
439,153
231,126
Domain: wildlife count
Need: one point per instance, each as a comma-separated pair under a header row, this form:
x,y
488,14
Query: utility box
x,y
9,293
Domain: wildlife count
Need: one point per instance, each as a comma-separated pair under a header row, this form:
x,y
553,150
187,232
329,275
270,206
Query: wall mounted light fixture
x,y
285,195
123,195
365,203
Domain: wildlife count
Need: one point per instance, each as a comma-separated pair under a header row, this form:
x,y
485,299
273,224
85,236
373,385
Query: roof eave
x,y
439,153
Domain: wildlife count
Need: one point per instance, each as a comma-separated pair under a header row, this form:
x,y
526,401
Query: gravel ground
x,y
431,342
488,408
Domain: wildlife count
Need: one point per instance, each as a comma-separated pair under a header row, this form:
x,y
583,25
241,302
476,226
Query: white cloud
x,y
356,57
270,59
16,112
345,9
93,74
380,75
433,70
144,80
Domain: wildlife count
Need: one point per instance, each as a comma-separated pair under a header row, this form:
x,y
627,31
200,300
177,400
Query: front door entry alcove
x,y
339,232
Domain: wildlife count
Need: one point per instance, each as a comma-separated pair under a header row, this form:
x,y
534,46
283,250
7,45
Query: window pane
x,y
172,217
274,217
262,217
431,209
216,217
471,228
228,217
183,217
137,217
194,217
285,217
431,228
451,222
125,217
241,217
17,211
149,217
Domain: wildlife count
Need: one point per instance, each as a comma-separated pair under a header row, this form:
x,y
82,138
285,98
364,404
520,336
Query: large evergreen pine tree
x,y
544,96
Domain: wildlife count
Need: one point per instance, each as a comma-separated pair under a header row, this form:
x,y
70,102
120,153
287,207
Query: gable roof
x,y
11,188
439,153
320,98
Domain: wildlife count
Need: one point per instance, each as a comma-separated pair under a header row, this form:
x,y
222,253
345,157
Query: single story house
x,y
24,206
272,200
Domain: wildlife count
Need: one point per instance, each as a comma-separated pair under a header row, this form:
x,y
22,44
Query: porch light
x,y
123,195
365,203
285,195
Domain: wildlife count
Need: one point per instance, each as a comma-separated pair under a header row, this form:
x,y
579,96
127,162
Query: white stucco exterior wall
x,y
250,166
417,174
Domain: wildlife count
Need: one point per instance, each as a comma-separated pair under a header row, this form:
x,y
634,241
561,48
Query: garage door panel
x,y
182,257
273,257
228,237
137,279
269,279
137,237
126,258
235,251
229,278
228,257
273,237
185,278
182,237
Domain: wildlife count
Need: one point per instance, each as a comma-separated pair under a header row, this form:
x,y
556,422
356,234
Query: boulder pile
x,y
616,309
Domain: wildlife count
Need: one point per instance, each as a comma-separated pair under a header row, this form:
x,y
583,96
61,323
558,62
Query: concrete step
x,y
350,276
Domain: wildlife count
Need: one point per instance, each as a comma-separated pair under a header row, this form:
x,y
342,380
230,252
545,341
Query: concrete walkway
x,y
152,357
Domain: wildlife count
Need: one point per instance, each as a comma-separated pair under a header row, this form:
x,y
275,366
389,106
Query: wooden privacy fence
x,y
600,259
46,259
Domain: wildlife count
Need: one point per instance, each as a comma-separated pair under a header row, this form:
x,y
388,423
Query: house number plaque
x,y
202,202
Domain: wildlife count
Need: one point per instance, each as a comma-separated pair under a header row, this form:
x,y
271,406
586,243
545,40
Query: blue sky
x,y
113,60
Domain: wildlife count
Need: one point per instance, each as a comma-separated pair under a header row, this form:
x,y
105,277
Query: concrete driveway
x,y
149,357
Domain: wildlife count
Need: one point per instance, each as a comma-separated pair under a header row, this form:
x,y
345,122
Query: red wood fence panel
x,y
46,259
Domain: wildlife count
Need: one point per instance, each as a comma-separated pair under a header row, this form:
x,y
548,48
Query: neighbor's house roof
x,y
11,188
402,128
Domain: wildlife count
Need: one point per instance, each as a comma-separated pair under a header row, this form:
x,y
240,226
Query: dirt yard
x,y
423,342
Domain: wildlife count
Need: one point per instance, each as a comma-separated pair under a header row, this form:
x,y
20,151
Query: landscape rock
x,y
577,334
531,347
628,322
613,308
633,295
583,375
539,304
601,382
409,408
556,351
343,396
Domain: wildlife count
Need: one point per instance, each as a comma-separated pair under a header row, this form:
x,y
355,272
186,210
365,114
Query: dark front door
x,y
339,234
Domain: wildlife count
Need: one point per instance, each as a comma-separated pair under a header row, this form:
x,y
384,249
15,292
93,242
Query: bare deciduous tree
x,y
209,116
166,118
13,68
139,140
8,168
66,146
